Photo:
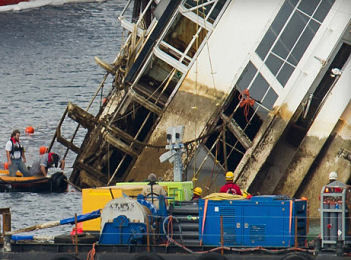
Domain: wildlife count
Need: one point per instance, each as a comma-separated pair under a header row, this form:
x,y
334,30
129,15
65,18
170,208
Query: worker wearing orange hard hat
x,y
43,150
47,160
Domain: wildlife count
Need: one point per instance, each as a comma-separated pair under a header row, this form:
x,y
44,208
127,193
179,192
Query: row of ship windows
x,y
283,46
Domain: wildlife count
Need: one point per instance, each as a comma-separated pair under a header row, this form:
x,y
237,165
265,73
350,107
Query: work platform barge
x,y
261,227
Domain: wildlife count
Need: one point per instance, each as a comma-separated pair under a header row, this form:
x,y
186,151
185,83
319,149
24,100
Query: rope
x,y
246,102
91,253
203,221
73,185
210,180
170,228
163,146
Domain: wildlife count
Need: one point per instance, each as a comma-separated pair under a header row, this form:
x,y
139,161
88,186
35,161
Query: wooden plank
x,y
66,143
145,103
236,130
81,116
92,172
119,144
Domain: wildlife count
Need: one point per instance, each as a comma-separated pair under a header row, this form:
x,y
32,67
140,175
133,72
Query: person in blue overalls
x,y
16,158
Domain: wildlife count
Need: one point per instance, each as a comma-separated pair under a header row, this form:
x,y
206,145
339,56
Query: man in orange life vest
x,y
230,186
16,158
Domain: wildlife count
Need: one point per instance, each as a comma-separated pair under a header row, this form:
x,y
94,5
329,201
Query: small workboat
x,y
55,183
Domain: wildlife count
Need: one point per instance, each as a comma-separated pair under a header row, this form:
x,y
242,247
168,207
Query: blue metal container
x,y
122,232
267,221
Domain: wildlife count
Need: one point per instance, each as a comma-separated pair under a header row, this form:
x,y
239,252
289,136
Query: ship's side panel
x,y
335,156
316,137
235,38
210,80
261,169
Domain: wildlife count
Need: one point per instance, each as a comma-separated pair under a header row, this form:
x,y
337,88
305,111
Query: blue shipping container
x,y
267,221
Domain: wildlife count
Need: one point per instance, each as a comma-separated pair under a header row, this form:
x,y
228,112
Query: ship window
x,y
218,8
247,76
208,10
323,10
274,63
157,82
303,43
227,151
285,73
181,36
229,147
309,6
259,88
270,98
290,34
275,28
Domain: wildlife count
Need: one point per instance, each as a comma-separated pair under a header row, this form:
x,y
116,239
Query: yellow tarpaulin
x,y
224,196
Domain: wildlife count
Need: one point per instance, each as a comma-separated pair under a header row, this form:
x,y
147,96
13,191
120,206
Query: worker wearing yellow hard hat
x,y
230,186
196,193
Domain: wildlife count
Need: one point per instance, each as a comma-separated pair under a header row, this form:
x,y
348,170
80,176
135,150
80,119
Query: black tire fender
x,y
58,182
65,257
211,256
147,256
295,256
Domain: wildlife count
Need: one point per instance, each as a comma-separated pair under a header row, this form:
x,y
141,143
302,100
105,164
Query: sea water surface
x,y
46,60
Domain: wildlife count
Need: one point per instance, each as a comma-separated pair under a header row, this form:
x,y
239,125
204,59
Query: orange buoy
x,y
104,101
6,165
42,150
29,130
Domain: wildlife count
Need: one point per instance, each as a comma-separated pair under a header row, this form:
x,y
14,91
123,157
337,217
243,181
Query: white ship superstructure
x,y
262,88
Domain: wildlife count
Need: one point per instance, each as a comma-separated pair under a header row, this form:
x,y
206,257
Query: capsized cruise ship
x,y
262,88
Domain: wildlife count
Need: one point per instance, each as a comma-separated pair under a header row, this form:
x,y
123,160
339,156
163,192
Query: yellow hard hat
x,y
229,176
197,191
